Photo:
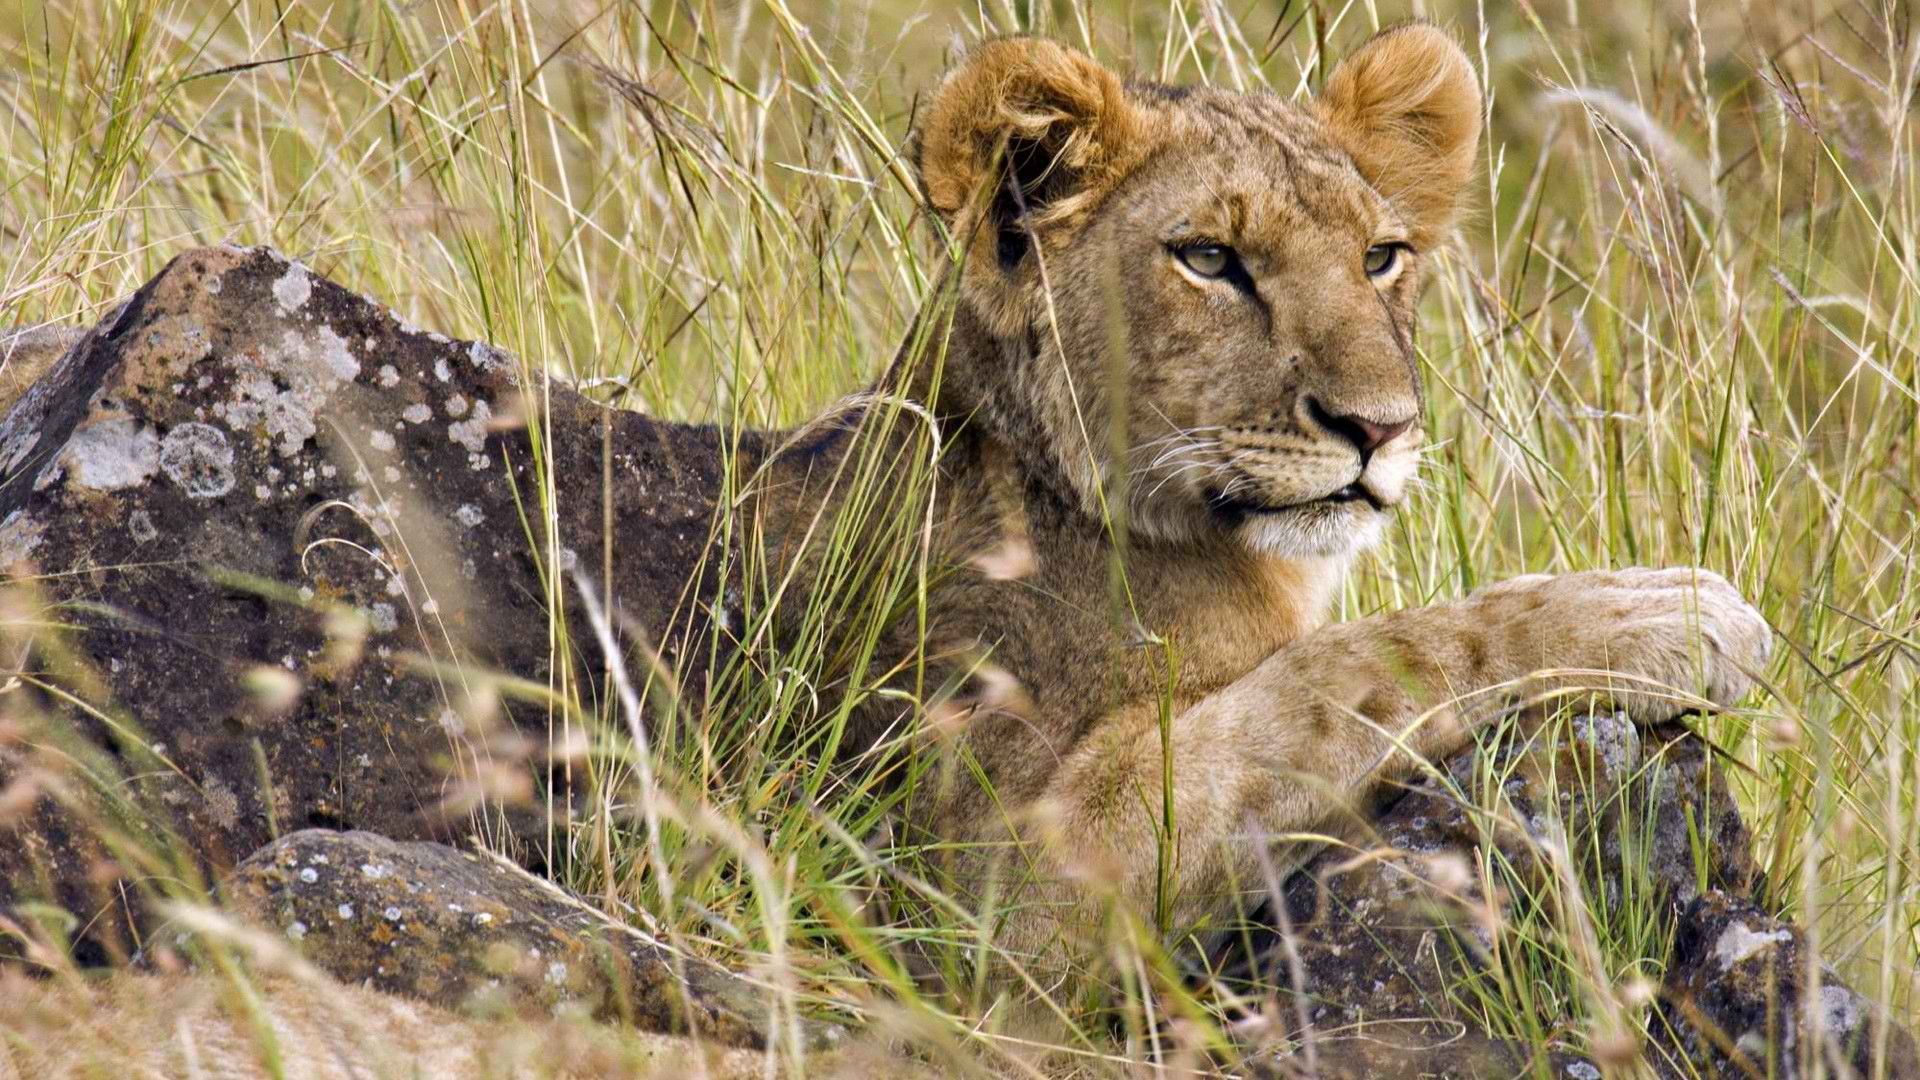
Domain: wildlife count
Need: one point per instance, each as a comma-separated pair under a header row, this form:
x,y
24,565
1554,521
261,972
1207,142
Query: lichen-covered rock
x,y
1376,941
1743,1000
264,545
467,930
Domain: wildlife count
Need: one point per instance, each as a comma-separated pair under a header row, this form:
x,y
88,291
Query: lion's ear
x,y
1407,108
1023,134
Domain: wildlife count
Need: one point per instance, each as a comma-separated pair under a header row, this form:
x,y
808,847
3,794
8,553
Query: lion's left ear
x,y
1407,108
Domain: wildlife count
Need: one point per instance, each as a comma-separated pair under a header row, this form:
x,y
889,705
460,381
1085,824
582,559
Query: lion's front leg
x,y
1288,746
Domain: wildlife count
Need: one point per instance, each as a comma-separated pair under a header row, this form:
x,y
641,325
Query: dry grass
x,y
1684,328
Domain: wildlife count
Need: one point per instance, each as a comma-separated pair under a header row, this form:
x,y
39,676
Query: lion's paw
x,y
1654,642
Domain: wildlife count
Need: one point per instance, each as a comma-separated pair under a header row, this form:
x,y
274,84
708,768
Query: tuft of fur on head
x,y
1407,107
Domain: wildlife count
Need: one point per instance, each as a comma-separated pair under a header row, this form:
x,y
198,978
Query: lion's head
x,y
1204,297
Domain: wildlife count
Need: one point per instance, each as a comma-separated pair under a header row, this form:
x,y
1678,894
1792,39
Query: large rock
x,y
1744,1000
473,932
1377,948
265,542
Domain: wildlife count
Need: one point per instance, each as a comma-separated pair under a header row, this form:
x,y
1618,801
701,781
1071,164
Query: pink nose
x,y
1365,435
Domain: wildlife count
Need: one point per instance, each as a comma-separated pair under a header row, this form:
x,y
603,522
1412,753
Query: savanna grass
x,y
1679,329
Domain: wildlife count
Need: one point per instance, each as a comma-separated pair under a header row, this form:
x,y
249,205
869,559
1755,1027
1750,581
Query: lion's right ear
x,y
1024,135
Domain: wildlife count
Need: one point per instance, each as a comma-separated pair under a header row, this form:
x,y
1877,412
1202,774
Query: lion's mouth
x,y
1236,508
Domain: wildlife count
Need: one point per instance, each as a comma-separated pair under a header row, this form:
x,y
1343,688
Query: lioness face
x,y
1215,290
1272,388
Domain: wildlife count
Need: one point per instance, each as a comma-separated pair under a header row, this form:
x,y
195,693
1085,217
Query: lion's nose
x,y
1365,435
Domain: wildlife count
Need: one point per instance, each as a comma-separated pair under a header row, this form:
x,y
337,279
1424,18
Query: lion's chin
x,y
1317,530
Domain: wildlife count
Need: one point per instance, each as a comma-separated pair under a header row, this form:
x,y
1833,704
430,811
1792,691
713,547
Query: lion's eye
x,y
1207,260
1380,259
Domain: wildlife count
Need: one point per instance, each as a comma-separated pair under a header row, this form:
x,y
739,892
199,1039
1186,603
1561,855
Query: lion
x,y
1177,397
1180,339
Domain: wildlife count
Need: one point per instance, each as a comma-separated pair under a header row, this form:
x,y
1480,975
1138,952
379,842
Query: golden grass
x,y
1683,327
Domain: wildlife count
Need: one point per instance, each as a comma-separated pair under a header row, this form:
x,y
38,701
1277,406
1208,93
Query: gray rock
x,y
1742,1000
472,932
250,524
1379,940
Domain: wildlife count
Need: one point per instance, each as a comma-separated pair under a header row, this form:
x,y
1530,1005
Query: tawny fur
x,y
1101,400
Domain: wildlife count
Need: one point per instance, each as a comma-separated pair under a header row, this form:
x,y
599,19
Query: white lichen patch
x,y
19,535
417,413
198,458
345,911
111,455
1614,737
286,388
383,619
472,432
374,871
487,358
392,914
389,376
457,405
1839,1010
294,288
469,515
381,441
309,875
140,524
442,370
1737,943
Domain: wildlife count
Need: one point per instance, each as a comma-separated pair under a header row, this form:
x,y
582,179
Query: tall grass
x,y
1680,329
